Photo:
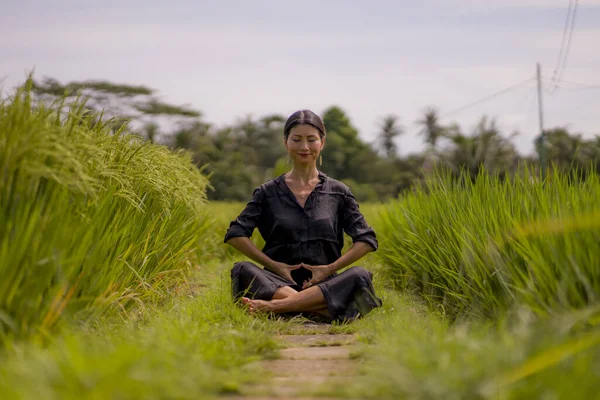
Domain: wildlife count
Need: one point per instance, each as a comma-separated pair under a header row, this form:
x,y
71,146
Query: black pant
x,y
349,294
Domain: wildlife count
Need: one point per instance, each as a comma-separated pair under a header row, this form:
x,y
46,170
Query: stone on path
x,y
310,364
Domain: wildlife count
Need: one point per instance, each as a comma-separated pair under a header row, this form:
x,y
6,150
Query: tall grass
x,y
89,218
412,354
187,348
480,247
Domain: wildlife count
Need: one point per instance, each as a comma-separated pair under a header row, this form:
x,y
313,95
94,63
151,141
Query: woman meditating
x,y
302,215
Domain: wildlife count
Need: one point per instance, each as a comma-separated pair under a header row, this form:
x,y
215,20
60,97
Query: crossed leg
x,y
287,299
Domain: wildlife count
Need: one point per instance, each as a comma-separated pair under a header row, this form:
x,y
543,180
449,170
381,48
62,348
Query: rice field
x,y
482,248
90,219
115,279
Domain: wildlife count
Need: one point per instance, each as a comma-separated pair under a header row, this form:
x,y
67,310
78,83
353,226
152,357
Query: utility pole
x,y
541,112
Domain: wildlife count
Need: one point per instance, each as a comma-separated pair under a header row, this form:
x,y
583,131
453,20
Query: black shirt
x,y
313,235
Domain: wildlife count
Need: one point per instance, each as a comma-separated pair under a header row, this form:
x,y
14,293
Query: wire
x,y
563,41
491,96
565,46
581,86
566,56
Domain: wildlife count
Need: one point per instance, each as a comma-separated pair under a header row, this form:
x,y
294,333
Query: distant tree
x,y
190,136
344,147
589,156
431,128
119,103
484,148
561,148
390,130
240,156
151,130
570,152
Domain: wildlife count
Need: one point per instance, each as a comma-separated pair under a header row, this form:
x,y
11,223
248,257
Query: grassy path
x,y
199,345
404,351
319,360
309,365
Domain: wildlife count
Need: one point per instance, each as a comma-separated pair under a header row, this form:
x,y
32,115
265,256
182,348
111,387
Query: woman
x,y
302,215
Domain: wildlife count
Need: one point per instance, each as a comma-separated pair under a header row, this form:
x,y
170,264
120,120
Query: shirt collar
x,y
281,180
322,177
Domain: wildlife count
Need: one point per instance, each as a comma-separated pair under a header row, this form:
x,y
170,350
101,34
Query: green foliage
x,y
485,149
362,192
390,130
455,243
241,157
122,102
281,167
155,107
189,348
89,220
431,129
344,154
413,354
251,149
55,88
570,153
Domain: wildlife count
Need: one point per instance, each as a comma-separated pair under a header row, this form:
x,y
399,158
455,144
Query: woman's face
x,y
304,144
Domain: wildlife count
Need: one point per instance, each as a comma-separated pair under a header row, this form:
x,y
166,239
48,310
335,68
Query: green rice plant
x,y
480,247
185,348
90,219
414,354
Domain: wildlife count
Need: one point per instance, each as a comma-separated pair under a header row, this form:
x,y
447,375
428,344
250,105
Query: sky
x,y
233,58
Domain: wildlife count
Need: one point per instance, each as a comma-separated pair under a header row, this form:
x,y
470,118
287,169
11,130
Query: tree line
x,y
240,156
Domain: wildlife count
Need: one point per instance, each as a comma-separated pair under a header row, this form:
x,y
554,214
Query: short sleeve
x,y
355,224
244,224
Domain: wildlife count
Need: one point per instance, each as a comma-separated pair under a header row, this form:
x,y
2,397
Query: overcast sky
x,y
232,58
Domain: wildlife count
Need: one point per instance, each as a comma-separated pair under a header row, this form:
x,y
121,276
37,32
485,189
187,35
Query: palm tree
x,y
485,148
431,128
390,130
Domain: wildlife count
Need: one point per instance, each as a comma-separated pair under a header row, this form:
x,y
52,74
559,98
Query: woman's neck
x,y
303,174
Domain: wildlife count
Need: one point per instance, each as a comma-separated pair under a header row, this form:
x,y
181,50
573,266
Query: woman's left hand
x,y
319,272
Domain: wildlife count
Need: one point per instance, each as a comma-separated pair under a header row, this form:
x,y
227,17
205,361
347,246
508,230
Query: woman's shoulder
x,y
269,187
335,186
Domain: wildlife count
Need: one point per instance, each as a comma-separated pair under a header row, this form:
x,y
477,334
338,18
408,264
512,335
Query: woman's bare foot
x,y
258,306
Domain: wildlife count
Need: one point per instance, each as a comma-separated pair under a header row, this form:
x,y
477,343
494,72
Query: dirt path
x,y
310,365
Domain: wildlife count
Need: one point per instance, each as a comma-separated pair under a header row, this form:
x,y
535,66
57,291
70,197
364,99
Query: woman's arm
x,y
320,272
354,253
247,247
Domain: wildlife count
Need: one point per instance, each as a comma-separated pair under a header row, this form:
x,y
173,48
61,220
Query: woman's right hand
x,y
284,270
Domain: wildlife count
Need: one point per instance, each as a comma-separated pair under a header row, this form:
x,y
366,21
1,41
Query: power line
x,y
563,41
581,85
486,98
565,45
